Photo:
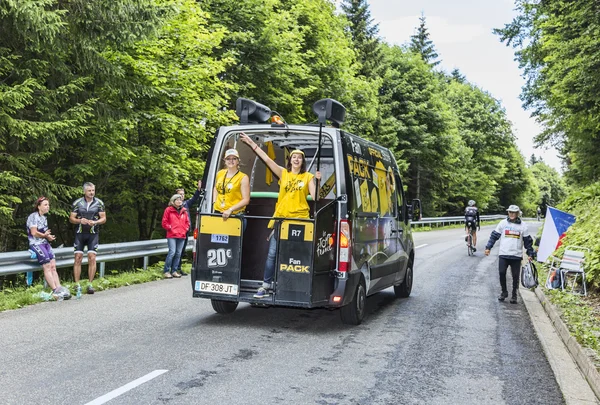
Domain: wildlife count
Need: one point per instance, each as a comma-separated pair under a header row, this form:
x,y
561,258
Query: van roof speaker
x,y
251,112
330,109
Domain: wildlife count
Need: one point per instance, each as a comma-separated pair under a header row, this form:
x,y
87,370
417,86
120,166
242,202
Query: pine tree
x,y
421,44
459,77
364,35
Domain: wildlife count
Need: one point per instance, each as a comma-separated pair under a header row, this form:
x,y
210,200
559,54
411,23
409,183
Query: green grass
x,y
580,314
19,296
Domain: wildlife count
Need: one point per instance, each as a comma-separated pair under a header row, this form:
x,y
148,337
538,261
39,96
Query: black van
x,y
357,242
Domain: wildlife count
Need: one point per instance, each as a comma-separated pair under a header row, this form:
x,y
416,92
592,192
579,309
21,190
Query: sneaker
x,y
183,273
90,289
261,293
176,275
513,298
503,296
167,275
473,249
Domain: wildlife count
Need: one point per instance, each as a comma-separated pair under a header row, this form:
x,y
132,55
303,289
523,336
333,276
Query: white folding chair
x,y
571,267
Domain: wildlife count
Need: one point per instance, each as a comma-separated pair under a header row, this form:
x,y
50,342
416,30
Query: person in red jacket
x,y
176,222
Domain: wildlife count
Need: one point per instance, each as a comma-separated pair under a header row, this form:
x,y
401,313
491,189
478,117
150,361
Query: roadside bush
x,y
586,230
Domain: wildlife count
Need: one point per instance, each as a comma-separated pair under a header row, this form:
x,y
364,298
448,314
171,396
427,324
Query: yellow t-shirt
x,y
293,190
229,191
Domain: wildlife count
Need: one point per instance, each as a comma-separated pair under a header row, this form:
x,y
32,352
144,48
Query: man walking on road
x,y
188,204
513,234
87,214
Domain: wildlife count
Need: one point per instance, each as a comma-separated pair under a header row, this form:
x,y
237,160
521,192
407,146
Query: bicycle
x,y
469,240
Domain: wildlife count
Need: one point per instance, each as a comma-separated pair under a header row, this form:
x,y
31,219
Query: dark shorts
x,y
43,252
86,239
471,224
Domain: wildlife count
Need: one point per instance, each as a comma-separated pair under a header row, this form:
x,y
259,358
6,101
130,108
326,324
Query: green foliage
x,y
422,45
584,205
128,94
580,318
364,36
558,45
551,186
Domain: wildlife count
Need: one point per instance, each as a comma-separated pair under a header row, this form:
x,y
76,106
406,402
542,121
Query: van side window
x,y
399,192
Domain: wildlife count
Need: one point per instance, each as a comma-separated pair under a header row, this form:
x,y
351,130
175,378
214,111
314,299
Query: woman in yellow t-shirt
x,y
231,193
295,183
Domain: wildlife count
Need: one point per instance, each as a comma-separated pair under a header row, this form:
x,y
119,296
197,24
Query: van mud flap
x,y
294,264
217,274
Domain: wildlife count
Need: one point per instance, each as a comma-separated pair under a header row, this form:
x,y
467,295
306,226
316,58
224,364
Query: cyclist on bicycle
x,y
472,222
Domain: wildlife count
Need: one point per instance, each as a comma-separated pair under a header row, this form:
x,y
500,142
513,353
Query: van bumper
x,y
344,287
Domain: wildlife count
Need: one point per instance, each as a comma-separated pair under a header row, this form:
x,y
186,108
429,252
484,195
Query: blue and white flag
x,y
556,224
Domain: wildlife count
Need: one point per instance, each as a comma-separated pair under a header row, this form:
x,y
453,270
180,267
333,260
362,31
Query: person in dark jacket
x,y
177,223
188,204
513,235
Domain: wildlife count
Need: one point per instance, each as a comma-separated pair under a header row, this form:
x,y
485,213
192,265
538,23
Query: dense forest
x,y
128,94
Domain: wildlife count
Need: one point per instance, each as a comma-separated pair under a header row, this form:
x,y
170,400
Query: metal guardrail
x,y
442,221
20,262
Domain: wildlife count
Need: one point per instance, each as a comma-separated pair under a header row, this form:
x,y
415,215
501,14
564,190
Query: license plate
x,y
216,288
215,238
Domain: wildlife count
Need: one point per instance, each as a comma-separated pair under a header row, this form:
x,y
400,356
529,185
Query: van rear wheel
x,y
354,312
403,290
224,307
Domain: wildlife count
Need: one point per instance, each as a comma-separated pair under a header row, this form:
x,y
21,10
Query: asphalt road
x,y
451,342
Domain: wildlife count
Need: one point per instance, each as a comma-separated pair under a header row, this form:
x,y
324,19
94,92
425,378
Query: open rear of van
x,y
230,258
346,250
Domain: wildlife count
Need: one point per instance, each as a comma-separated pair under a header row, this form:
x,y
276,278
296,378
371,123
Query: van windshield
x,y
278,145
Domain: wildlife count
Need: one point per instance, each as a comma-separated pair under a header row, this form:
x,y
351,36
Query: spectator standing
x,y
39,242
176,222
87,214
188,204
513,235
295,184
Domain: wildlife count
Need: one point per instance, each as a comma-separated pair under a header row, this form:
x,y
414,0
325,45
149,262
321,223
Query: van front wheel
x,y
224,307
354,312
403,290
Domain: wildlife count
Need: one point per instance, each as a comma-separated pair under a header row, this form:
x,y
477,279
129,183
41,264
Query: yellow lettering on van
x,y
359,167
293,268
376,153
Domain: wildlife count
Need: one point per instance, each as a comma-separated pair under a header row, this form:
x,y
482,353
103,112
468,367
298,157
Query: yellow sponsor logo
x,y
294,266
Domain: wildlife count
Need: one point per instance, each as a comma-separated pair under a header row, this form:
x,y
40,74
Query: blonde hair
x,y
173,199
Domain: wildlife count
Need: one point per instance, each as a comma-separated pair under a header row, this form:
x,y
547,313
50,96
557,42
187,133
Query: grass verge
x,y
15,297
580,314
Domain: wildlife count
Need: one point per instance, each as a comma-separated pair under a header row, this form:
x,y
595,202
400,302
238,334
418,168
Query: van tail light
x,y
345,246
194,246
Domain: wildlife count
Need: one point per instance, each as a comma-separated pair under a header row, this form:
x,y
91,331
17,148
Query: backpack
x,y
554,280
471,212
529,275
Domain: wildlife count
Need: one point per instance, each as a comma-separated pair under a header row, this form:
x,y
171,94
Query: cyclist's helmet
x,y
471,203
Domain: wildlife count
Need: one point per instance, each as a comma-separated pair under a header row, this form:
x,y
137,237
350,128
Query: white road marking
x,y
420,246
127,387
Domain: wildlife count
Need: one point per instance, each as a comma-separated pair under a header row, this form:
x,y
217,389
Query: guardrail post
x,y
102,265
146,261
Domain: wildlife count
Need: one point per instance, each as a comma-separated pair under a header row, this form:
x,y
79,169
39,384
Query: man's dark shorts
x,y
86,239
43,252
472,224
